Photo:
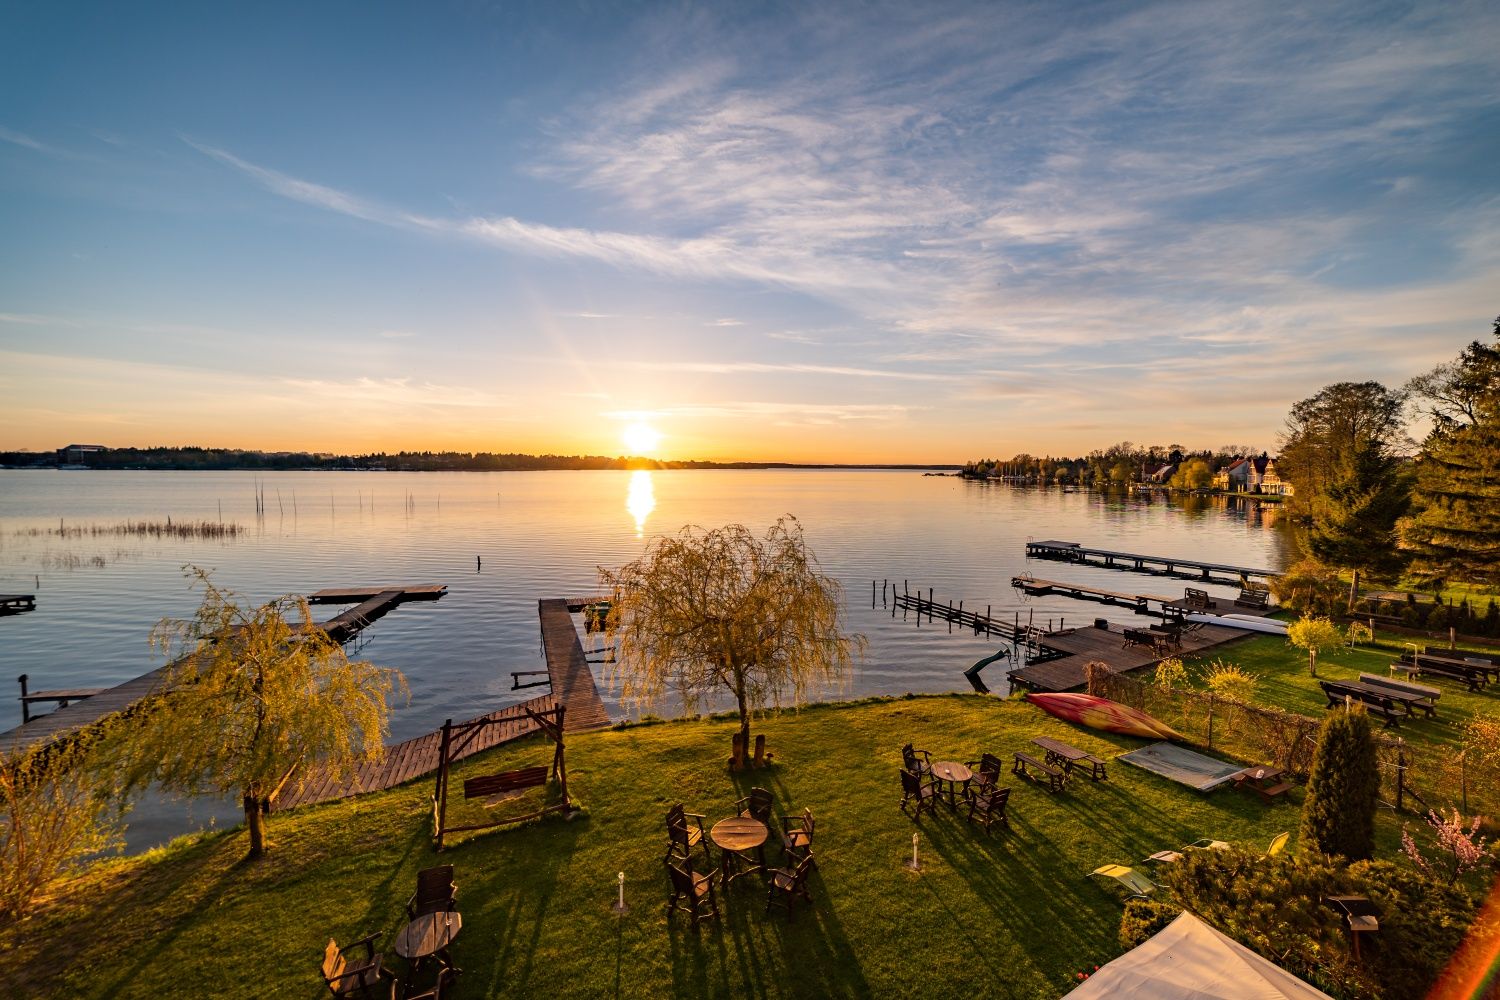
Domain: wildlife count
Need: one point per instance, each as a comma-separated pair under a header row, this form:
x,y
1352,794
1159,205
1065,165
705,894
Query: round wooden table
x,y
428,935
736,835
954,774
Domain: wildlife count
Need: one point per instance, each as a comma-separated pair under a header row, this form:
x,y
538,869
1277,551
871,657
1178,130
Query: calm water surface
x,y
544,535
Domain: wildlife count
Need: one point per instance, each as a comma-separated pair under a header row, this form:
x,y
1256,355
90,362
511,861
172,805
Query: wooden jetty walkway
x,y
1068,650
1140,563
925,607
16,604
567,666
414,758
1139,603
104,702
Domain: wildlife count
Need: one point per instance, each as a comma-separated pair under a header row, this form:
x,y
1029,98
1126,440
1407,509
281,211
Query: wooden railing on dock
x,y
1139,603
16,604
1141,563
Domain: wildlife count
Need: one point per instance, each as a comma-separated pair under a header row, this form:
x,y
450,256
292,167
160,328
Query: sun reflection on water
x,y
640,500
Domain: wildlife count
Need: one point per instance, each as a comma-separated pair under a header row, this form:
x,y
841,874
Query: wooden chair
x,y
988,808
922,791
435,991
683,836
692,893
436,892
986,773
797,836
1197,599
1127,881
787,884
916,761
346,980
756,805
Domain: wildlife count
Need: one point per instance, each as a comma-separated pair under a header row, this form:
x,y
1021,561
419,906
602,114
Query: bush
x,y
1311,588
1143,918
1275,907
1228,681
1343,787
1171,675
1358,633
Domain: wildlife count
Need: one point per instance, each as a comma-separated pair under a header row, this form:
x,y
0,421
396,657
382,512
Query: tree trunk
x,y
1312,662
739,694
1354,591
256,824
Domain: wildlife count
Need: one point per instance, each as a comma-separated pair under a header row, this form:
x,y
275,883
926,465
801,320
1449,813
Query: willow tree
x,y
252,695
705,613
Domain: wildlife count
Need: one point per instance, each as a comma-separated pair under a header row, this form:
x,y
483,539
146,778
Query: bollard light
x,y
620,906
914,864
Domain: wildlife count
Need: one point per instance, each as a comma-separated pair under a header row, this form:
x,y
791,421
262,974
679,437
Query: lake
x,y
500,541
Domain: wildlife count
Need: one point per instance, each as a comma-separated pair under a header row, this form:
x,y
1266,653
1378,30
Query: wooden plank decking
x,y
567,667
1080,646
16,604
1135,602
413,758
1139,562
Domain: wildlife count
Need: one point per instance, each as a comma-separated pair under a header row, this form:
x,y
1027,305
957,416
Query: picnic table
x,y
1059,754
954,774
736,835
1267,782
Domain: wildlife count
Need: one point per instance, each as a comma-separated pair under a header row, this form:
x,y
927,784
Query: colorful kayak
x,y
1101,713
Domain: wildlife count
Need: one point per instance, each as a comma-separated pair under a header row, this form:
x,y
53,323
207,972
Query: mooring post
x,y
25,705
442,794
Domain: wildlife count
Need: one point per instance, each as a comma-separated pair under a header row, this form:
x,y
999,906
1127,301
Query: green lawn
x,y
1007,916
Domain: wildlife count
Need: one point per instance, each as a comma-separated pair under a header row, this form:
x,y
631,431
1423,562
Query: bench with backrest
x,y
1488,665
1028,766
1250,597
1197,599
508,781
1386,708
1427,696
1471,676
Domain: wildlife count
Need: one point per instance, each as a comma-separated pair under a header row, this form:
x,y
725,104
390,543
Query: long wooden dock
x,y
1141,563
16,604
568,668
1070,650
80,715
412,759
1139,603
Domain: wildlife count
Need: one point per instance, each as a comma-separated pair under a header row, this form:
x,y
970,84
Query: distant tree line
x,y
190,458
1119,464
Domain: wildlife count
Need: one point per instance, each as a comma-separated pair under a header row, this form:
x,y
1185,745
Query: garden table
x,y
954,774
736,835
428,935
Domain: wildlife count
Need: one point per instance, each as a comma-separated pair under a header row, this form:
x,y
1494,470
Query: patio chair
x,y
916,761
436,892
922,791
988,808
797,836
986,773
1127,880
683,835
346,980
443,981
756,805
692,893
787,884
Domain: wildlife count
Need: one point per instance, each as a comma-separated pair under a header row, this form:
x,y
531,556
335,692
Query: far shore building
x,y
1162,473
1252,475
75,454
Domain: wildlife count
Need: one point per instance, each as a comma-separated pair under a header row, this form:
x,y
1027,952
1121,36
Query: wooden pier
x,y
568,668
16,604
413,758
1069,650
1139,603
105,702
1140,563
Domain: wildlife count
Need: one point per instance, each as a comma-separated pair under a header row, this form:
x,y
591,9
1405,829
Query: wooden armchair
x,y
436,892
692,893
986,773
683,836
797,836
916,761
756,805
988,808
919,790
787,884
346,980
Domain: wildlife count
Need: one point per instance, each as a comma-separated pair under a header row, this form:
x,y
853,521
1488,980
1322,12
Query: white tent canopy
x,y
1189,960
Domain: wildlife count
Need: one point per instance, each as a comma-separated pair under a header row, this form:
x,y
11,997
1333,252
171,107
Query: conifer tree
x,y
1343,788
1357,527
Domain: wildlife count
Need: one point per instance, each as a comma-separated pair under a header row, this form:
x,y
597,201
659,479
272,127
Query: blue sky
x,y
872,232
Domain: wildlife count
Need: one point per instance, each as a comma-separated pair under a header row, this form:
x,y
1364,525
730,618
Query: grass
x,y
1006,916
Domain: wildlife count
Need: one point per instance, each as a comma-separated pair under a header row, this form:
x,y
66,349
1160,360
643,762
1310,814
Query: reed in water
x,y
141,529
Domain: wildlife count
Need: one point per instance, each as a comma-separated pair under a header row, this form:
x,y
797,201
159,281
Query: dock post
x,y
442,795
25,705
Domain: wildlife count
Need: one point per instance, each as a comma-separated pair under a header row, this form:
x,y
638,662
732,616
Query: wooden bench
x,y
1258,600
61,696
1053,776
1197,599
1488,666
1382,706
1070,758
1473,677
507,781
1428,696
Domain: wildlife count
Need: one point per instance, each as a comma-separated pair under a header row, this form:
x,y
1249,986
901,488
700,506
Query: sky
x,y
805,232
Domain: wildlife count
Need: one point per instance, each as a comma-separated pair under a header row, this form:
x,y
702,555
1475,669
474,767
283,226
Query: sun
x,y
640,438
